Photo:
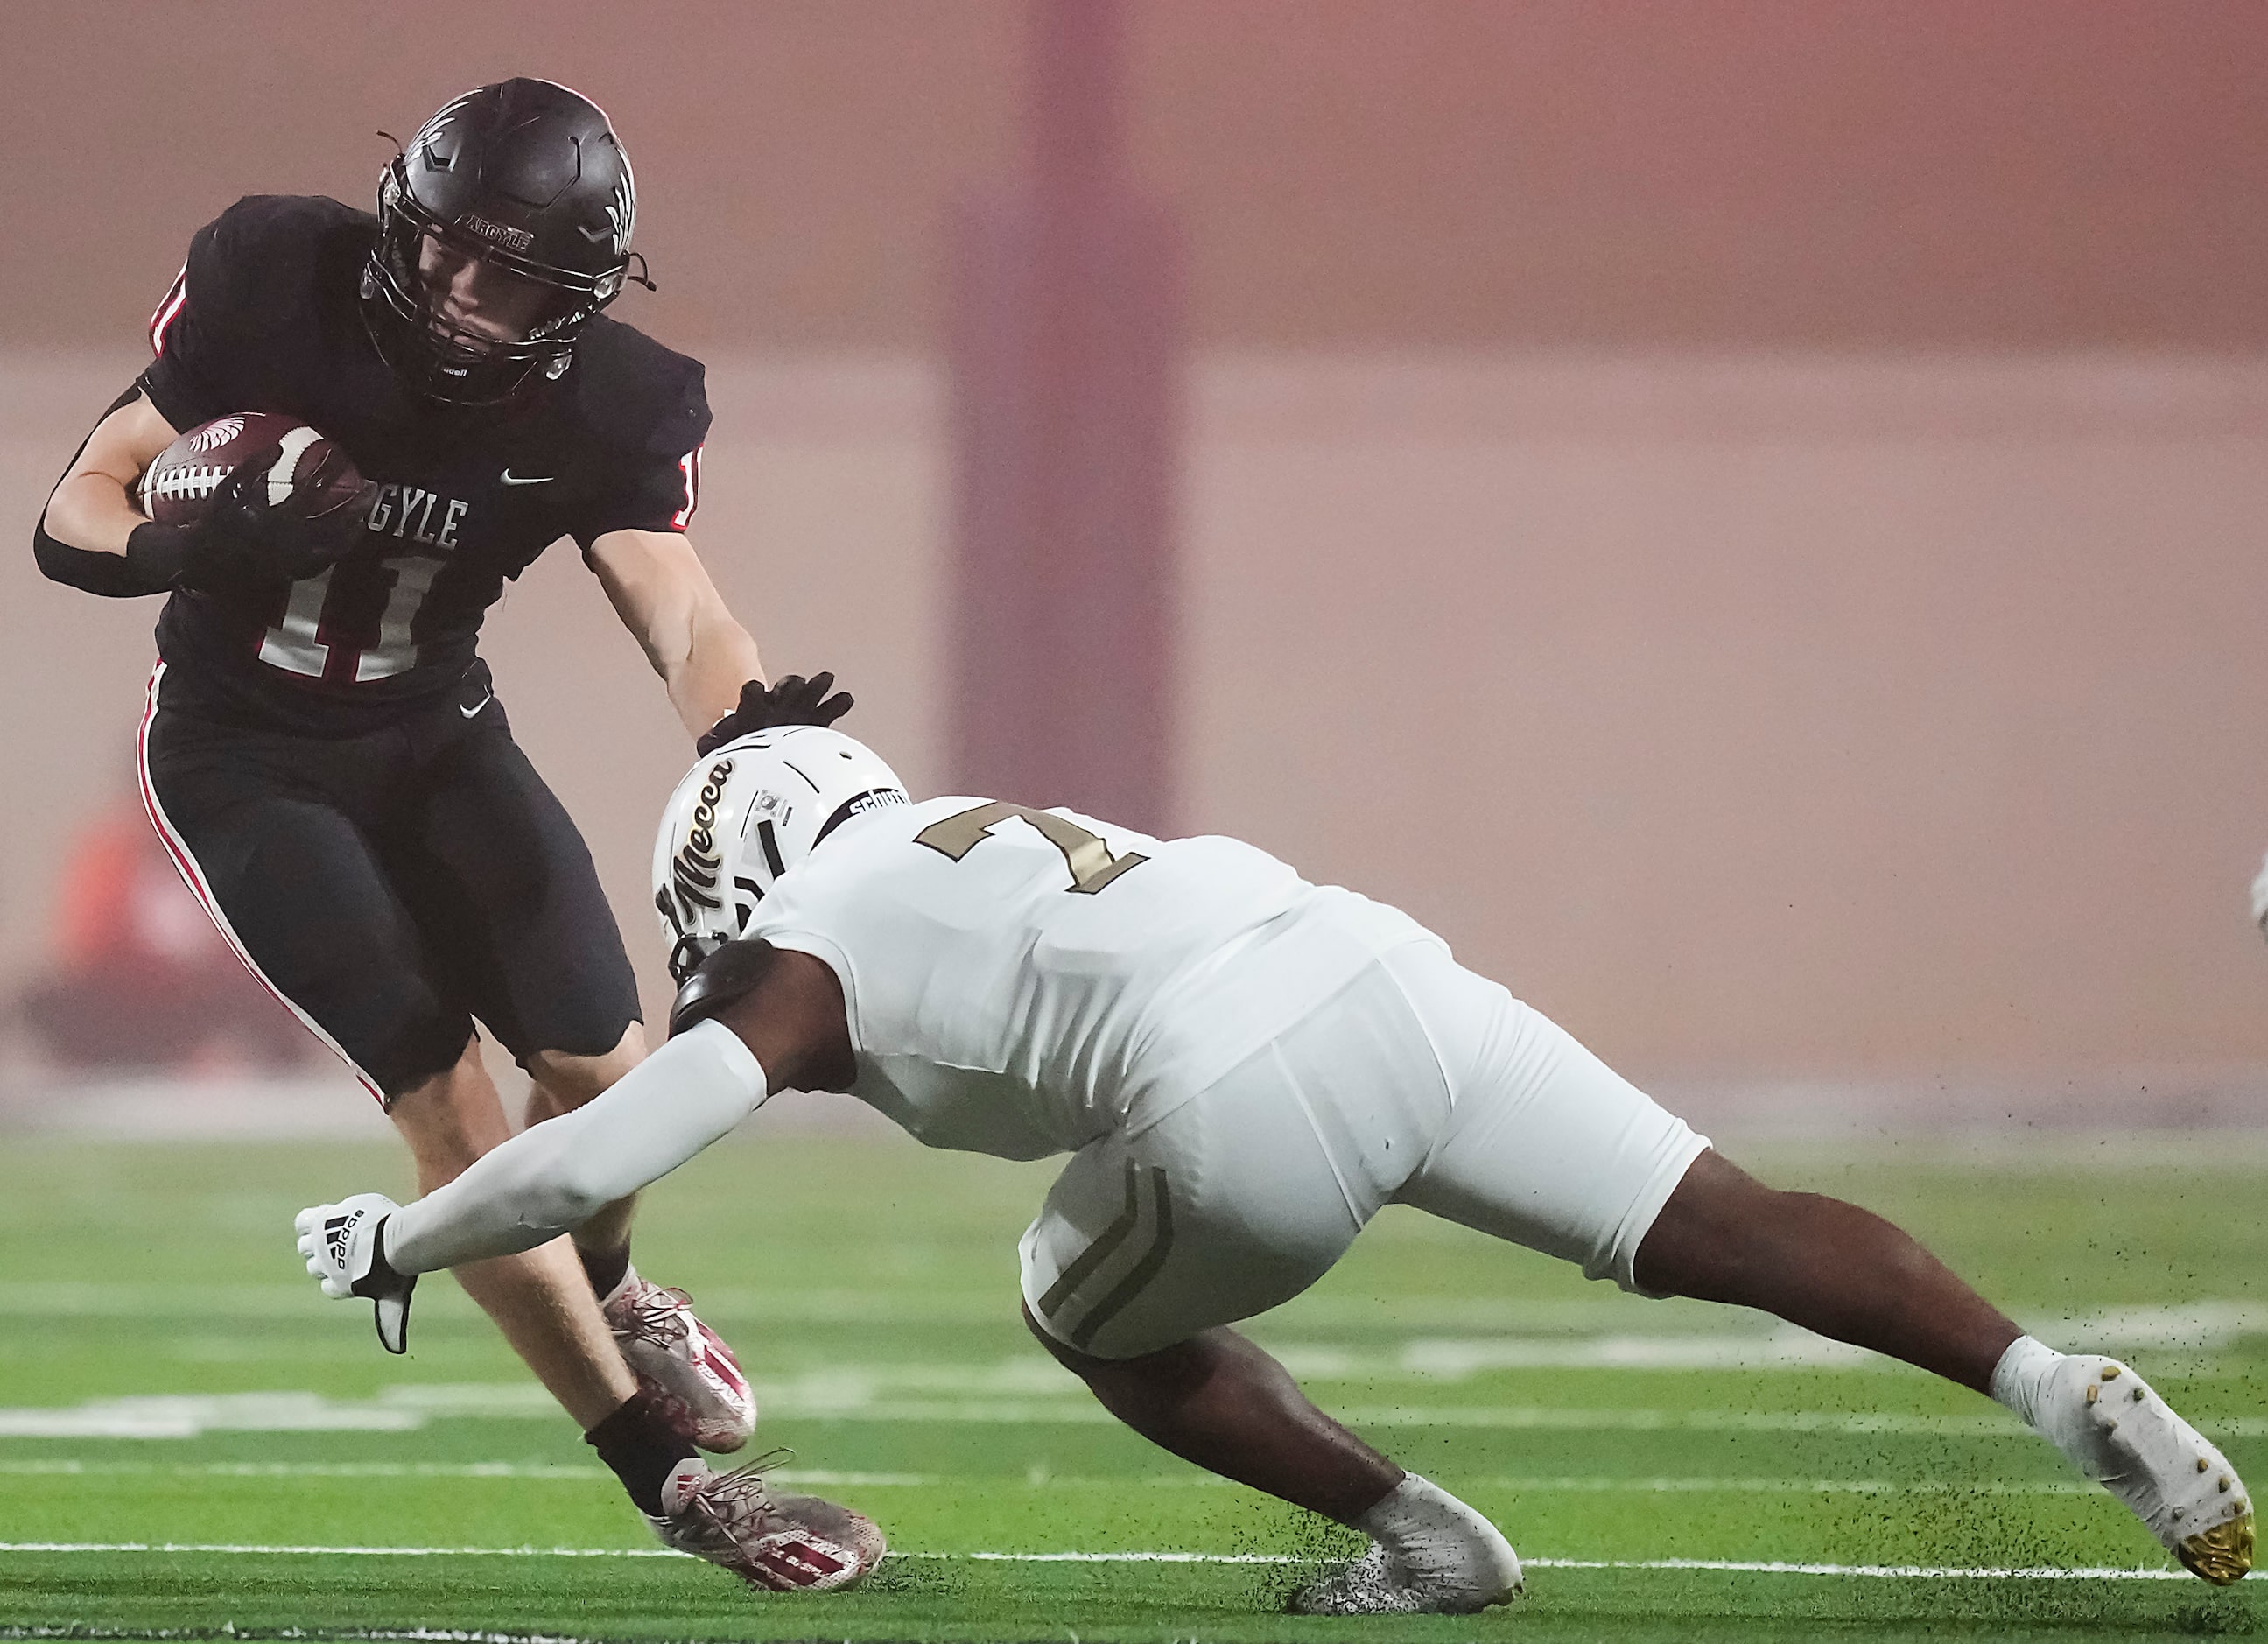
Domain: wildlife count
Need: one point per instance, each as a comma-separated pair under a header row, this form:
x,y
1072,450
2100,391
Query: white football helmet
x,y
746,814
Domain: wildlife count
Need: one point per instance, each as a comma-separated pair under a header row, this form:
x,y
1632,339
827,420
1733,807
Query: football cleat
x,y
2121,1433
680,1364
1377,1583
781,1544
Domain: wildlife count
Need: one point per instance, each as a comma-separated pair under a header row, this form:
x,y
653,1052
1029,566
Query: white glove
x,y
345,1245
2260,898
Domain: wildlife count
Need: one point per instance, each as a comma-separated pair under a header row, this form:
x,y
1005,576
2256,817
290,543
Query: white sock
x,y
2021,1375
1438,1539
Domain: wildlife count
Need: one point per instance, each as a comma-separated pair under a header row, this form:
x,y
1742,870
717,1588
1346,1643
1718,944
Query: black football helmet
x,y
526,184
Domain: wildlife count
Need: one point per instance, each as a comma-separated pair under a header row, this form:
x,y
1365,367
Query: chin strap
x,y
728,975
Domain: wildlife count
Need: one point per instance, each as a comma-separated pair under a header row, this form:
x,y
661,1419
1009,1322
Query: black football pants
x,y
393,886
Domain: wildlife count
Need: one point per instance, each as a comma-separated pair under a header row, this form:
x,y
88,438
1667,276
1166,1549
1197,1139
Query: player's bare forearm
x,y
93,508
722,657
662,592
90,512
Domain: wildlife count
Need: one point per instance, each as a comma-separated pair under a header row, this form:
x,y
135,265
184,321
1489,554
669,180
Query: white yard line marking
x,y
1610,1326
1571,1485
1785,1486
409,1408
537,1470
73,1469
1873,1572
159,1635
1029,1389
1747,1567
401,1409
1983,1425
186,1416
288,1551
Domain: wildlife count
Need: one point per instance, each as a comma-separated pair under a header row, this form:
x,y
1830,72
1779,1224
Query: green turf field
x,y
192,1439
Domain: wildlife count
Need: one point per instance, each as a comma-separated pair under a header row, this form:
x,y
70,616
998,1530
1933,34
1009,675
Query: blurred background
x,y
1749,517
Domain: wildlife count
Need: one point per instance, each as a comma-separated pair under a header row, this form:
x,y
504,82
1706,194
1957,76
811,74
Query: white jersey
x,y
1019,983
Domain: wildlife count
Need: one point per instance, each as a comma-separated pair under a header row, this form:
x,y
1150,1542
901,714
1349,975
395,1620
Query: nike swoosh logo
x,y
510,478
477,707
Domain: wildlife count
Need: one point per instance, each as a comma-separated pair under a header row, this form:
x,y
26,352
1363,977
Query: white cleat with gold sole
x,y
1377,1583
2123,1435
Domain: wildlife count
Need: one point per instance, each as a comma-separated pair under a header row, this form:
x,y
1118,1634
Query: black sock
x,y
605,1269
640,1449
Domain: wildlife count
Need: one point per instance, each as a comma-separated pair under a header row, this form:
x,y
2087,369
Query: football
x,y
304,470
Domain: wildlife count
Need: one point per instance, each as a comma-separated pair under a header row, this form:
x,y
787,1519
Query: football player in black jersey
x,y
323,752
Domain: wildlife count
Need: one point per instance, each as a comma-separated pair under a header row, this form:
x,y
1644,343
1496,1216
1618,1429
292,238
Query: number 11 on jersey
x,y
295,645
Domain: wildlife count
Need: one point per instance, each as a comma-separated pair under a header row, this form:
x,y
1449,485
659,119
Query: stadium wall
x,y
1820,717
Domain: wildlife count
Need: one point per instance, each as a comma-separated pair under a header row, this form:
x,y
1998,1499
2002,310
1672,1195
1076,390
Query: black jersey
x,y
265,317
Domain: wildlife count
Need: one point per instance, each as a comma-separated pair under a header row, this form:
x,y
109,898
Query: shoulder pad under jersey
x,y
637,397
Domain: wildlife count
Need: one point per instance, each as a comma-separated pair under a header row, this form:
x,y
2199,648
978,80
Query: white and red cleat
x,y
782,1543
680,1364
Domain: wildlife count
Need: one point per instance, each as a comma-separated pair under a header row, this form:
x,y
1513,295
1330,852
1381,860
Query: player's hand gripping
x,y
244,530
345,1247
795,700
243,535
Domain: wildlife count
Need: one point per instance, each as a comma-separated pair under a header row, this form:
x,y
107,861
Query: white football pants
x,y
1418,1083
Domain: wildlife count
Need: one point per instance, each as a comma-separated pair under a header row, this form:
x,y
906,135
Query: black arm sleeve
x,y
112,576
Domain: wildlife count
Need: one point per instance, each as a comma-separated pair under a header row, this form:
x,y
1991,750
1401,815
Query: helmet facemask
x,y
518,195
435,352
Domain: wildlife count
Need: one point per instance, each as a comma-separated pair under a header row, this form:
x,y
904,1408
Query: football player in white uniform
x,y
1243,1068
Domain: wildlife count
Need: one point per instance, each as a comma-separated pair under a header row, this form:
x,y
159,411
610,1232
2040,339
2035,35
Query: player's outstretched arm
x,y
751,1020
663,593
554,1175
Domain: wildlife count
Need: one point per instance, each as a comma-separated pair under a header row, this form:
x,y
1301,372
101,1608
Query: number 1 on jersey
x,y
1090,863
